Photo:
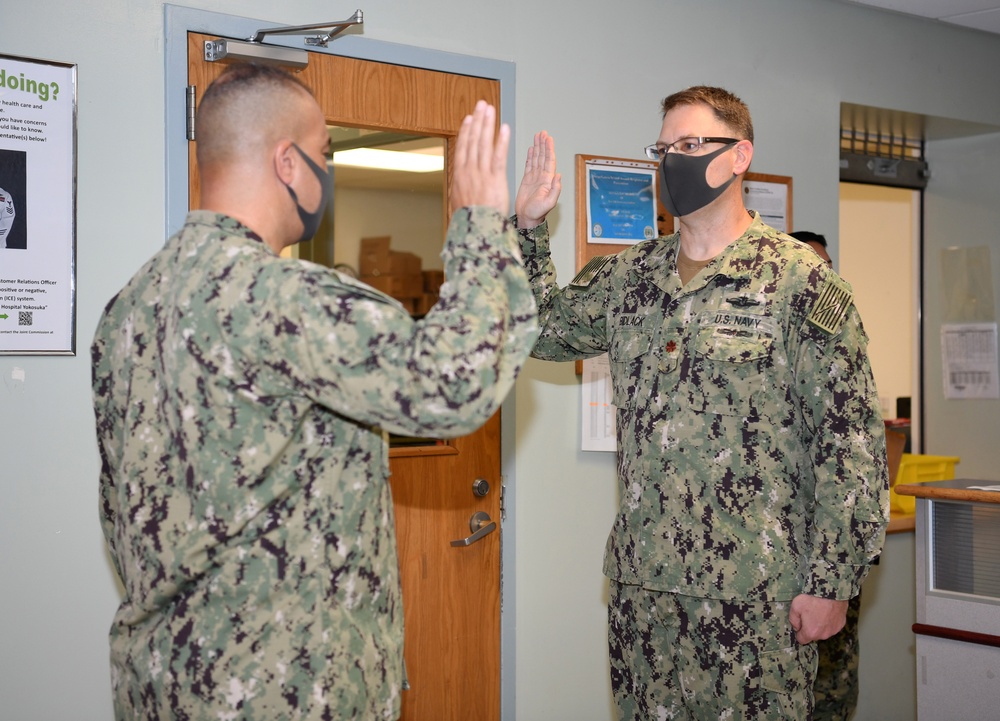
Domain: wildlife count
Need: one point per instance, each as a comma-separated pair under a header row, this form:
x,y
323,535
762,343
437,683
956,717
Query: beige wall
x,y
879,236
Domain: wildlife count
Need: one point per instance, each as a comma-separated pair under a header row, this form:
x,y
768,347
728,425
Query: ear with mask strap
x,y
311,221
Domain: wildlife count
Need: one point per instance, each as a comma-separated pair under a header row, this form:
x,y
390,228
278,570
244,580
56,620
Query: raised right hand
x,y
480,172
541,184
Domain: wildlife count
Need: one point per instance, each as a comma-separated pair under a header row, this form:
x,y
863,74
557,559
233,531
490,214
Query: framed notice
x,y
616,205
37,207
771,197
597,410
969,360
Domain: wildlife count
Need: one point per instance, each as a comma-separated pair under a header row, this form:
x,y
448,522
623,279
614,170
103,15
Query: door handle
x,y
480,525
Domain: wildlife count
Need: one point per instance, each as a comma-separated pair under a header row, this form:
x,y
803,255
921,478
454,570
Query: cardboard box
x,y
375,258
393,272
425,303
433,280
401,263
398,286
381,283
407,286
378,258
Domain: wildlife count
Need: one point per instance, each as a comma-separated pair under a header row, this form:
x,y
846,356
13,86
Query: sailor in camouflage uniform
x,y
836,687
243,403
751,451
837,673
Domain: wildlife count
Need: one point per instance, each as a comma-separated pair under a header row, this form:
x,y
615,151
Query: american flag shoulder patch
x,y
589,271
830,309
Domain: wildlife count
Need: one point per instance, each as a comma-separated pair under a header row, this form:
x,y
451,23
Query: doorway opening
x,y
879,254
884,150
382,190
883,173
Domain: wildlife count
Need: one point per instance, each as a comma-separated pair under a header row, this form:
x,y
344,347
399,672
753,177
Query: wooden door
x,y
451,594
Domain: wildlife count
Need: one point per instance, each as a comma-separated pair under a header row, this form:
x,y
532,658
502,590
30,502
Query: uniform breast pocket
x,y
727,371
627,353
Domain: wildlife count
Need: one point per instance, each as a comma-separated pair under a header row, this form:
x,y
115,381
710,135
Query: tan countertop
x,y
953,490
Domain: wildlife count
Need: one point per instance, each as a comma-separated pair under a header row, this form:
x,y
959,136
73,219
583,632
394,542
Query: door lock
x,y
480,487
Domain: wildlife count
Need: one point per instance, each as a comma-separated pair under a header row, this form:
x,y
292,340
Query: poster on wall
x,y
621,200
969,360
598,412
37,207
771,197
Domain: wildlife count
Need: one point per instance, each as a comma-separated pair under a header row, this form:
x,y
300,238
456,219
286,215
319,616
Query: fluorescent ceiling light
x,y
389,160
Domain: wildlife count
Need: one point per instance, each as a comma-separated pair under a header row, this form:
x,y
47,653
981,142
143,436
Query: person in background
x,y
751,449
243,403
837,682
815,241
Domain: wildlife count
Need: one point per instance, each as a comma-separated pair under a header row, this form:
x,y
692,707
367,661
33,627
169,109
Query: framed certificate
x,y
617,205
771,197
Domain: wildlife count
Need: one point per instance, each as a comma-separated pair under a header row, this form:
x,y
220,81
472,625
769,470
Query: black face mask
x,y
311,221
683,187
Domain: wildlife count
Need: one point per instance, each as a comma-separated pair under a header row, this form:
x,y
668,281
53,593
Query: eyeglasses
x,y
685,146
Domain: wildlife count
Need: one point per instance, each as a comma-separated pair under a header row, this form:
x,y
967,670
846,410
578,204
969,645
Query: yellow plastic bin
x,y
920,468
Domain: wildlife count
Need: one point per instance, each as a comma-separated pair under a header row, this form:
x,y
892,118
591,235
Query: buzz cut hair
x,y
247,107
727,107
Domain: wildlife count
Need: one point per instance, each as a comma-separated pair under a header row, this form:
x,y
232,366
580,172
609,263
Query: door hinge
x,y
189,108
503,499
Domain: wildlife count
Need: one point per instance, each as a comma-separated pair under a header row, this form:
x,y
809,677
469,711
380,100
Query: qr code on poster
x,y
24,317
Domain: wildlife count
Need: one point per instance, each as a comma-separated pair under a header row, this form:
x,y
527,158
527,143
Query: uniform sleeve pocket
x,y
869,537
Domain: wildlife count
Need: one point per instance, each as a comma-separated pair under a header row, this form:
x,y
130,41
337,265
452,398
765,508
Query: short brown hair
x,y
727,107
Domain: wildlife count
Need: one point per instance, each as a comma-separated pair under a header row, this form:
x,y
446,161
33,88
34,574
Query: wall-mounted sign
x,y
969,360
37,207
771,197
616,205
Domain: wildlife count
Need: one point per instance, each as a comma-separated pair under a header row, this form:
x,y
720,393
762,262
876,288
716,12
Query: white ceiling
x,y
977,14
983,15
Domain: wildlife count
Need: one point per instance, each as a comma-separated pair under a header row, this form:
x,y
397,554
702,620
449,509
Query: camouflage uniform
x,y
837,684
242,404
678,657
751,451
